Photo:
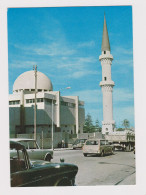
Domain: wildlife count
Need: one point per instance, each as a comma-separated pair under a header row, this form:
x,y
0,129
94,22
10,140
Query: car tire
x,y
85,154
102,154
48,158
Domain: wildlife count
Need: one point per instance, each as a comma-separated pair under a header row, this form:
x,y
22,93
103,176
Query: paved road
x,y
117,169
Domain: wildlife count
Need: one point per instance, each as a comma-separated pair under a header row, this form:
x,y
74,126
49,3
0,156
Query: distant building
x,y
67,112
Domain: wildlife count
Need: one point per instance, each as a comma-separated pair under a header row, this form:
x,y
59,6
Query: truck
x,y
122,140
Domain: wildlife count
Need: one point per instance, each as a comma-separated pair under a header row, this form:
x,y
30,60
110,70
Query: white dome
x,y
26,81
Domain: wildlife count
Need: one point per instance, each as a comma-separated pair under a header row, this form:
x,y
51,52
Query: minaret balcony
x,y
104,83
104,56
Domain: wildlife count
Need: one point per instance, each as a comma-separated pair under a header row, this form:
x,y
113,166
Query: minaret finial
x,y
105,38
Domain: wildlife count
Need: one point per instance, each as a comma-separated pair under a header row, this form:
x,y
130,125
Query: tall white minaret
x,y
106,84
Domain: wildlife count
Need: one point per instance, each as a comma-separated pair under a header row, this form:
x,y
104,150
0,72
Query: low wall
x,y
45,140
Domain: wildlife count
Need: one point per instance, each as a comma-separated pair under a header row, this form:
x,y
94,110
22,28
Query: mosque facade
x,y
62,113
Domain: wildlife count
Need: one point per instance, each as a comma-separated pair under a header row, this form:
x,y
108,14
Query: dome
x,y
26,81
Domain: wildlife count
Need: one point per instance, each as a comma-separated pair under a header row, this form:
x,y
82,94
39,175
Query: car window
x,y
17,161
77,141
91,142
107,143
102,142
32,145
82,140
25,144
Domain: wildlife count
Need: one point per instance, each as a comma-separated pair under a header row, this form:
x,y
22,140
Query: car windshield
x,y
79,141
91,142
31,144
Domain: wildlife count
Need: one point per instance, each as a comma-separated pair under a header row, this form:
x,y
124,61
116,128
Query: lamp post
x,y
53,119
35,74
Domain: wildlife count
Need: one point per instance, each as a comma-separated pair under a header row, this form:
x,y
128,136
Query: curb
x,y
61,149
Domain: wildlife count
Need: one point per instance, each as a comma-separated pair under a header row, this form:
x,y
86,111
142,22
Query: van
x,y
97,147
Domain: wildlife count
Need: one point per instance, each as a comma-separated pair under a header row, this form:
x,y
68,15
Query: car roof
x,y
95,139
16,145
21,139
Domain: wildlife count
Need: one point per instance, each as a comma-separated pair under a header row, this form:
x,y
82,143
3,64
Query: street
x,y
117,169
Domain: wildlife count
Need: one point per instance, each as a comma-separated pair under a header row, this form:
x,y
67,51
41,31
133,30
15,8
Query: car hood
x,y
45,164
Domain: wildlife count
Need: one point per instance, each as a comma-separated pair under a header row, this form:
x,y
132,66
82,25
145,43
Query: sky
x,y
65,44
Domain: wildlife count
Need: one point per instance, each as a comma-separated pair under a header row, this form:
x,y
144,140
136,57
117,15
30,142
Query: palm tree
x,y
125,123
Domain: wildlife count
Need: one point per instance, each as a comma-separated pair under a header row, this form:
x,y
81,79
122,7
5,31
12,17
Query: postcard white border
x,y
139,40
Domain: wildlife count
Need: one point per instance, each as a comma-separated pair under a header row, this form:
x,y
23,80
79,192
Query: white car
x,y
34,150
78,144
97,147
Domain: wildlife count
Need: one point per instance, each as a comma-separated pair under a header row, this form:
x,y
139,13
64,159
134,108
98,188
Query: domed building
x,y
26,81
64,115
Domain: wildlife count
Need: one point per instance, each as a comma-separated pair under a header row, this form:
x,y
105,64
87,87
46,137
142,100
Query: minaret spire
x,y
105,38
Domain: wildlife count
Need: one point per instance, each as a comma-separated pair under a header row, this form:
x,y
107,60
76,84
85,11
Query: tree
x,y
119,129
125,123
88,127
97,126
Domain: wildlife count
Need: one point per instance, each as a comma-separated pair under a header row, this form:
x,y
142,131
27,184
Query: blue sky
x,y
65,43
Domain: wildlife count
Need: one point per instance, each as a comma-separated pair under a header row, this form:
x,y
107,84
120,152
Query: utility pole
x,y
52,124
35,101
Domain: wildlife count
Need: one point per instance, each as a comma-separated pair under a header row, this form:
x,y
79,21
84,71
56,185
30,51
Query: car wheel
x,y
48,158
85,154
102,154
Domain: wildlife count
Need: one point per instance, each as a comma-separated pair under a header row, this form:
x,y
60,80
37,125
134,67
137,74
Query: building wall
x,y
14,119
66,119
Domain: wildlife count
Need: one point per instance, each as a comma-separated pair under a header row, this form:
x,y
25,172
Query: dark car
x,y
24,173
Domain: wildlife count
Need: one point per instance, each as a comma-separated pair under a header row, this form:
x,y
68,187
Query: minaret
x,y
106,84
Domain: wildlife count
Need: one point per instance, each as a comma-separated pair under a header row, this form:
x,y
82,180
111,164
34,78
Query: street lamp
x,y
53,118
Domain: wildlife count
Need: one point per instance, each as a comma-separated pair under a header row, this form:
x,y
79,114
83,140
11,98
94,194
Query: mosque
x,y
55,112
62,113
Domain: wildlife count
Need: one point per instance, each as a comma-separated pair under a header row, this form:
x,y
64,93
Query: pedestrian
x,y
63,144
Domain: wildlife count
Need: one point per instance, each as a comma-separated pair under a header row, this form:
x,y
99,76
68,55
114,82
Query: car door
x,y
107,146
34,151
102,146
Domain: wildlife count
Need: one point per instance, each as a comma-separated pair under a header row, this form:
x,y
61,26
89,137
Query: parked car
x,y
97,147
78,143
40,173
34,150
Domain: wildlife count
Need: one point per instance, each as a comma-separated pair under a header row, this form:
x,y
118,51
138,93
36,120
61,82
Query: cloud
x,y
79,74
89,96
22,64
77,63
86,44
50,49
122,95
128,62
122,51
126,112
123,56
